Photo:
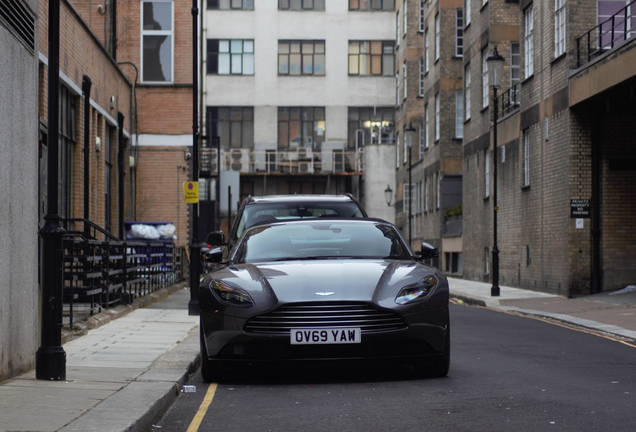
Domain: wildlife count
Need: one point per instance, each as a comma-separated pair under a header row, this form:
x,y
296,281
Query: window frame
x,y
386,6
437,117
459,114
528,38
422,17
427,123
404,77
369,57
486,173
150,33
485,93
467,96
225,126
302,122
245,5
231,56
459,32
560,28
526,158
321,5
313,54
420,91
468,10
437,37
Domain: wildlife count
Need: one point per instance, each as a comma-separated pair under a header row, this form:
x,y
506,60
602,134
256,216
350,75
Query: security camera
x,y
187,156
101,9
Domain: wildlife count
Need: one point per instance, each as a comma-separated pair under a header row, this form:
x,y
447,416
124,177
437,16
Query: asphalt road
x,y
508,373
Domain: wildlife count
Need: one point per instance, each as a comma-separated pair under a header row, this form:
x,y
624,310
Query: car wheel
x,y
209,369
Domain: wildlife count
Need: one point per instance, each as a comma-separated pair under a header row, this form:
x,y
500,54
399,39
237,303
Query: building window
x,y
468,11
426,51
108,178
437,118
426,129
300,5
426,194
301,57
484,79
526,158
397,28
422,17
366,5
528,42
515,72
459,114
404,70
67,140
406,147
301,127
467,91
409,198
438,193
157,41
559,27
437,40
406,15
370,125
231,4
459,32
372,58
420,141
230,57
421,84
486,173
454,262
397,90
397,151
484,3
234,126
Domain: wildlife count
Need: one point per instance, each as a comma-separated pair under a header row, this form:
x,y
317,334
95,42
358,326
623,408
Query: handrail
x,y
508,100
87,226
606,35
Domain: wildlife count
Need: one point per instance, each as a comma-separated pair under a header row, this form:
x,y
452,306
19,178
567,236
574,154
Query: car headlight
x,y
230,295
418,290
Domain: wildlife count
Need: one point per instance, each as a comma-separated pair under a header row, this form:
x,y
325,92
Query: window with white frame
x,y
405,14
397,150
559,27
409,197
231,4
459,114
422,17
526,157
397,89
515,72
397,27
528,45
375,5
467,91
301,57
459,32
230,57
486,173
437,118
157,41
406,147
426,51
426,129
426,195
484,2
421,83
467,10
372,58
437,40
300,5
484,79
420,141
438,195
404,78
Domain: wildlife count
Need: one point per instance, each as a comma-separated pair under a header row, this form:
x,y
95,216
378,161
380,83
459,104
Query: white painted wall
x,y
379,173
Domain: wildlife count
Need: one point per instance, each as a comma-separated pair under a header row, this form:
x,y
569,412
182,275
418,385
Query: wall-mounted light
x,y
98,144
388,195
112,102
102,9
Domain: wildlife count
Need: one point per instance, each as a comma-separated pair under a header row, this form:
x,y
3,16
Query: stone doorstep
x,y
91,322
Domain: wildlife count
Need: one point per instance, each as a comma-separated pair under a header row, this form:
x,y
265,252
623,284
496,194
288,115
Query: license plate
x,y
317,336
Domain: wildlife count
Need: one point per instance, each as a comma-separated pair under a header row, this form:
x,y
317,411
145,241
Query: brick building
x,y
564,151
429,73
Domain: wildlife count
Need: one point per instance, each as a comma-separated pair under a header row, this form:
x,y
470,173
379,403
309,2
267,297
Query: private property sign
x,y
579,208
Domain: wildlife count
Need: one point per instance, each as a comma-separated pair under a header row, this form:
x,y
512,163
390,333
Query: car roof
x,y
359,221
300,198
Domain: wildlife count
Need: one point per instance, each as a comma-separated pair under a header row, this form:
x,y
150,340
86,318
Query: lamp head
x,y
495,68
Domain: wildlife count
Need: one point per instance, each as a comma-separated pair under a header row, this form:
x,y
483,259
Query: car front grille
x,y
325,314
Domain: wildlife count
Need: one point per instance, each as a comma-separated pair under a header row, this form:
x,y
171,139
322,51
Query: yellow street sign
x,y
191,192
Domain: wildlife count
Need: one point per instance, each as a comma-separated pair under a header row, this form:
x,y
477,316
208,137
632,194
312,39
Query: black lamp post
x,y
495,71
409,136
388,195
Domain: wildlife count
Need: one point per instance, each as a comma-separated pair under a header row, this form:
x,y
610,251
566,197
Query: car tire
x,y
209,369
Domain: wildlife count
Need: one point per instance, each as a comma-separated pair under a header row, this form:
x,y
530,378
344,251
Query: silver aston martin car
x,y
324,289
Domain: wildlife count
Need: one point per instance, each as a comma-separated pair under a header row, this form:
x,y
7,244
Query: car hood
x,y
378,281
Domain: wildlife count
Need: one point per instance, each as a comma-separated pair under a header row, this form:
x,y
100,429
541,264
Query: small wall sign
x,y
579,208
191,192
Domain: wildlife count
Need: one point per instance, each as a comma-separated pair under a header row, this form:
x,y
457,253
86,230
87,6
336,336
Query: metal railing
x,y
618,28
302,160
100,273
508,101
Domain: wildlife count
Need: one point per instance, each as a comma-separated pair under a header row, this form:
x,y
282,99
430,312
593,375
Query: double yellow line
x,y
207,400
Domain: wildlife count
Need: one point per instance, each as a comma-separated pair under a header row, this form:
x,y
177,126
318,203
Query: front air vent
x,y
19,20
325,314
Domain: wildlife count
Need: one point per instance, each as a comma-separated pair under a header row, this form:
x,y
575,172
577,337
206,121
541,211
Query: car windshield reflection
x,y
320,239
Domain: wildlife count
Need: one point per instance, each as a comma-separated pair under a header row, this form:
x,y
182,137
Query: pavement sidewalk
x,y
126,366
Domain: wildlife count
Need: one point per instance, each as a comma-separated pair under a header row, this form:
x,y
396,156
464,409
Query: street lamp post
x,y
388,195
409,135
495,71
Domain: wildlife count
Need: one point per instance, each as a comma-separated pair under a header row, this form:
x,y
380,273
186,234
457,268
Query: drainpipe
x,y
50,358
596,205
113,33
86,90
120,174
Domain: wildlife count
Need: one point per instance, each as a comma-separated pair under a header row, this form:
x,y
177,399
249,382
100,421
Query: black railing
x,y
99,274
508,101
605,36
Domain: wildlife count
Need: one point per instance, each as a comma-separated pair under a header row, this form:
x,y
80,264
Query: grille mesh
x,y
19,20
325,314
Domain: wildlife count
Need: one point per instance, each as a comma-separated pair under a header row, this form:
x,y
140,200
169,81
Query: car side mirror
x,y
216,238
214,256
428,251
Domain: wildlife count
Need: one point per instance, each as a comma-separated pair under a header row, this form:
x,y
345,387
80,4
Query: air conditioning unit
x,y
305,167
209,161
304,153
309,141
240,160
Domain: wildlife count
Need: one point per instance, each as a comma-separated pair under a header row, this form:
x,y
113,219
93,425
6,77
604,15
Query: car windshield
x,y
320,239
272,212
